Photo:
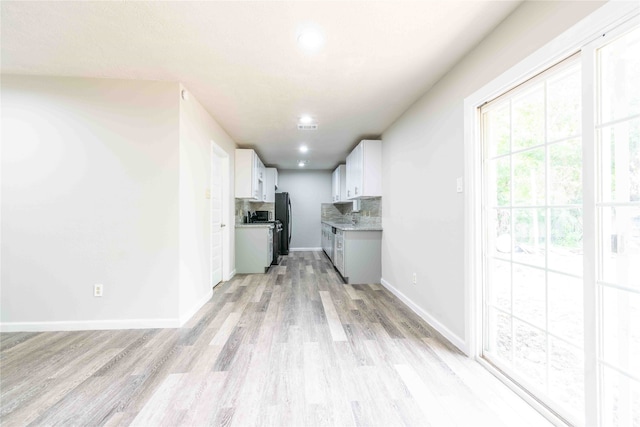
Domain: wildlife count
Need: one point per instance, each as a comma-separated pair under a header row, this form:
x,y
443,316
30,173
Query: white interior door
x,y
216,217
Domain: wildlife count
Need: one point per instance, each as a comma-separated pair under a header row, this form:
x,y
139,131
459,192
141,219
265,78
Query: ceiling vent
x,y
309,126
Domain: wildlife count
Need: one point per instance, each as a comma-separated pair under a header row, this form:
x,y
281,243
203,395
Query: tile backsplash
x,y
370,212
242,206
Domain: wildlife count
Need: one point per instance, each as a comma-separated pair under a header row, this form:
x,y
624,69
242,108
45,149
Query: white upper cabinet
x,y
250,175
339,184
271,185
364,170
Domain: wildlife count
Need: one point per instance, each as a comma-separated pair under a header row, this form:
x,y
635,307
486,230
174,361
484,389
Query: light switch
x,y
459,184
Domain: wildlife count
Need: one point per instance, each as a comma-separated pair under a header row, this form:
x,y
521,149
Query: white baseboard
x,y
432,321
304,249
233,273
197,306
100,325
89,325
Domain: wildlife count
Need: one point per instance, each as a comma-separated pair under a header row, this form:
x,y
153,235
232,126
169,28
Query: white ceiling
x,y
242,62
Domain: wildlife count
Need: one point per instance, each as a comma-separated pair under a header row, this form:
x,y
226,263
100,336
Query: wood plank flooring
x,y
294,347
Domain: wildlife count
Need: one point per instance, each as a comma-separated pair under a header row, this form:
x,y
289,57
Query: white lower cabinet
x,y
254,249
358,255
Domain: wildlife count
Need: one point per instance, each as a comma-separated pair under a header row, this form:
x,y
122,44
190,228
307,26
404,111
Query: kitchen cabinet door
x,y
254,249
364,170
262,181
270,184
358,256
339,181
334,185
351,175
246,175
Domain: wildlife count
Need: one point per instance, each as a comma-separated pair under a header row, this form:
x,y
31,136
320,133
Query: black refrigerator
x,y
283,213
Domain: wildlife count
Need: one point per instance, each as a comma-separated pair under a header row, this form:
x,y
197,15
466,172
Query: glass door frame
x,y
585,37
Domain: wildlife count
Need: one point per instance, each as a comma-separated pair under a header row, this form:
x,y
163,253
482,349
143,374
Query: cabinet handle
x,y
348,193
356,190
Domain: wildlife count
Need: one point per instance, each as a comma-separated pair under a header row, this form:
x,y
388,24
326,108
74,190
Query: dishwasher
x,y
338,251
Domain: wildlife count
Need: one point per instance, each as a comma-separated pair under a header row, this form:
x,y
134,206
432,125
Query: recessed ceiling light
x,y
311,39
303,149
301,163
306,119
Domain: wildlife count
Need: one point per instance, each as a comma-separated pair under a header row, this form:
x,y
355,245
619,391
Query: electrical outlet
x,y
97,290
415,278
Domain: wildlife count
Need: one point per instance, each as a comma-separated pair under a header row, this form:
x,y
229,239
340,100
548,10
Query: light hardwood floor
x,y
293,347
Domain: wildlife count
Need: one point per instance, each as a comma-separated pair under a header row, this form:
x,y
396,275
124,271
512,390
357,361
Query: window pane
x,y
530,353
529,294
621,162
500,176
565,173
499,337
529,178
566,376
566,308
620,251
564,97
533,160
499,284
621,329
528,118
620,399
619,70
565,246
499,233
529,231
498,130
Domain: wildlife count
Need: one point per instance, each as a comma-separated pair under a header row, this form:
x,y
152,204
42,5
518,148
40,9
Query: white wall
x,y
104,181
308,189
197,130
422,214
89,195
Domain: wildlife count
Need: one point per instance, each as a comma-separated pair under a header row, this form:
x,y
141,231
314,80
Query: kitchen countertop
x,y
254,225
351,227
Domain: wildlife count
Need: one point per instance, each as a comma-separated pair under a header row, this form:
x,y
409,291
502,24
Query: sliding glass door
x,y
561,246
618,219
533,305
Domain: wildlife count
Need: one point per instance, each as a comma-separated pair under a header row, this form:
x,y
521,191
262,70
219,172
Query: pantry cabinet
x,y
364,170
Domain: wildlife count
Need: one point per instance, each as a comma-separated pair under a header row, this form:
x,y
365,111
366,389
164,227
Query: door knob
x,y
223,225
